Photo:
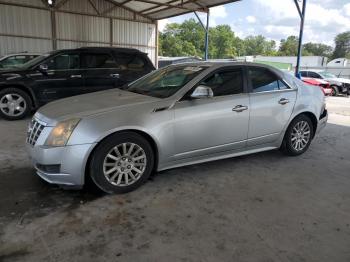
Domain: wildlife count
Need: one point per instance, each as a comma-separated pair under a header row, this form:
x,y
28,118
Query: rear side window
x,y
228,82
263,80
90,60
314,75
131,62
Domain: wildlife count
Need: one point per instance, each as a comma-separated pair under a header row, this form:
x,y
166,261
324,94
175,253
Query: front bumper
x,y
69,163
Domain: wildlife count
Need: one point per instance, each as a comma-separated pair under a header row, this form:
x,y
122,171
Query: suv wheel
x,y
298,136
15,104
122,163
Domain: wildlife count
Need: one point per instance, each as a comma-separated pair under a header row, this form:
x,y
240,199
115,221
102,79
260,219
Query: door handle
x,y
115,75
75,76
283,101
239,108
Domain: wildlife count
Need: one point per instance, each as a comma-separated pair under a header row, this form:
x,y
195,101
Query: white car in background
x,y
15,60
338,85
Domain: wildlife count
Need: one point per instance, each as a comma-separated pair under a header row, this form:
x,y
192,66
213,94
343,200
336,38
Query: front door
x,y
271,106
62,79
213,125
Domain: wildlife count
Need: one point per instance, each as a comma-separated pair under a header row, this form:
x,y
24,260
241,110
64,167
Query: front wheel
x,y
15,104
122,163
298,136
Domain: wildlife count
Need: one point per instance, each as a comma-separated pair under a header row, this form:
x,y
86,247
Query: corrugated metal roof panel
x,y
19,44
25,21
86,28
161,9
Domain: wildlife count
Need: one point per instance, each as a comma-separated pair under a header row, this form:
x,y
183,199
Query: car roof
x,y
217,65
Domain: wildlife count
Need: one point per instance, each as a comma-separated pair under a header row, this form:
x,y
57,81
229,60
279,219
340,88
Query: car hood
x,y
340,80
90,104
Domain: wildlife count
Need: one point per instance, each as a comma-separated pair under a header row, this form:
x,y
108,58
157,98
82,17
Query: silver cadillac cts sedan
x,y
176,116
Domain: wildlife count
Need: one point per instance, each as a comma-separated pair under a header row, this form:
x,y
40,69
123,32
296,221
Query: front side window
x,y
165,82
97,61
303,73
63,61
263,80
228,82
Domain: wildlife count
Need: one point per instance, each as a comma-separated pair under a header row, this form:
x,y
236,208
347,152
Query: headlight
x,y
61,133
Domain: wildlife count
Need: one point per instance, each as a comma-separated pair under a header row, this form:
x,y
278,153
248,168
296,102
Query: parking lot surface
x,y
262,207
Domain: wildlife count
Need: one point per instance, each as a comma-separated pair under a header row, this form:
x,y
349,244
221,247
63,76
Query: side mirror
x,y
202,92
43,68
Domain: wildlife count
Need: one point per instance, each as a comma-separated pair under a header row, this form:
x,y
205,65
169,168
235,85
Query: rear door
x,y
271,105
100,71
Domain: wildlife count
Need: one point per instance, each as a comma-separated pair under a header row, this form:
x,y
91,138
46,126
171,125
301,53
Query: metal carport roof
x,y
161,9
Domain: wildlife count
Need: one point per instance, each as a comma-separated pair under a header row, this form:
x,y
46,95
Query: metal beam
x,y
301,32
298,8
114,7
94,7
179,6
207,38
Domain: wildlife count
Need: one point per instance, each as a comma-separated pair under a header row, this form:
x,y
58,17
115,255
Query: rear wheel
x,y
335,91
298,136
15,104
122,163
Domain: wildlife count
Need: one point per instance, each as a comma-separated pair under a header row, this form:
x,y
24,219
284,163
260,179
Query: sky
x,y
277,19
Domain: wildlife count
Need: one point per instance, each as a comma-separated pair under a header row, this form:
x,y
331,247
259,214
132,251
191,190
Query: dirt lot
x,y
263,207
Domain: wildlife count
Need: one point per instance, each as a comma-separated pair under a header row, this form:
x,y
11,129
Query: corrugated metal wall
x,y
24,28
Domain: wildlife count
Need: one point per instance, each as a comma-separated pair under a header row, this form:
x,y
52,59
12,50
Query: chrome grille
x,y
34,130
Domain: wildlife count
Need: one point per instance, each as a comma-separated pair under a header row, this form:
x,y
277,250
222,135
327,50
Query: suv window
x,y
131,62
263,80
227,82
90,60
63,61
314,75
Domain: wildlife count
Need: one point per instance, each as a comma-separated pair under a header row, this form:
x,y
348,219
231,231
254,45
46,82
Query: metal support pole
x,y
207,37
53,29
302,19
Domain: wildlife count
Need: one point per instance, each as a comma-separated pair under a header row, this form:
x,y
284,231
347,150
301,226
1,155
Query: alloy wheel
x,y
124,164
301,134
13,105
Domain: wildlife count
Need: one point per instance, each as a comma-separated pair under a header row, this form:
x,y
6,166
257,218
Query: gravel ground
x,y
262,207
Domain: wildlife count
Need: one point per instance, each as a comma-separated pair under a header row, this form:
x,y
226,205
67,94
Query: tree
x,y
342,45
289,46
259,45
222,42
317,49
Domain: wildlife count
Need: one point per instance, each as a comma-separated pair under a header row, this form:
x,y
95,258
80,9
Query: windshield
x,y
34,61
327,75
165,82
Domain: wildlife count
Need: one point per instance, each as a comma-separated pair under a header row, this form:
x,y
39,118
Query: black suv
x,y
66,73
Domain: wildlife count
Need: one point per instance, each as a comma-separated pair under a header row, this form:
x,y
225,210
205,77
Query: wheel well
x,y
313,120
24,89
141,133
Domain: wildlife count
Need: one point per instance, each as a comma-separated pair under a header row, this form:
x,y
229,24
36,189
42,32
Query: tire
x,y
335,91
20,107
105,159
292,138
